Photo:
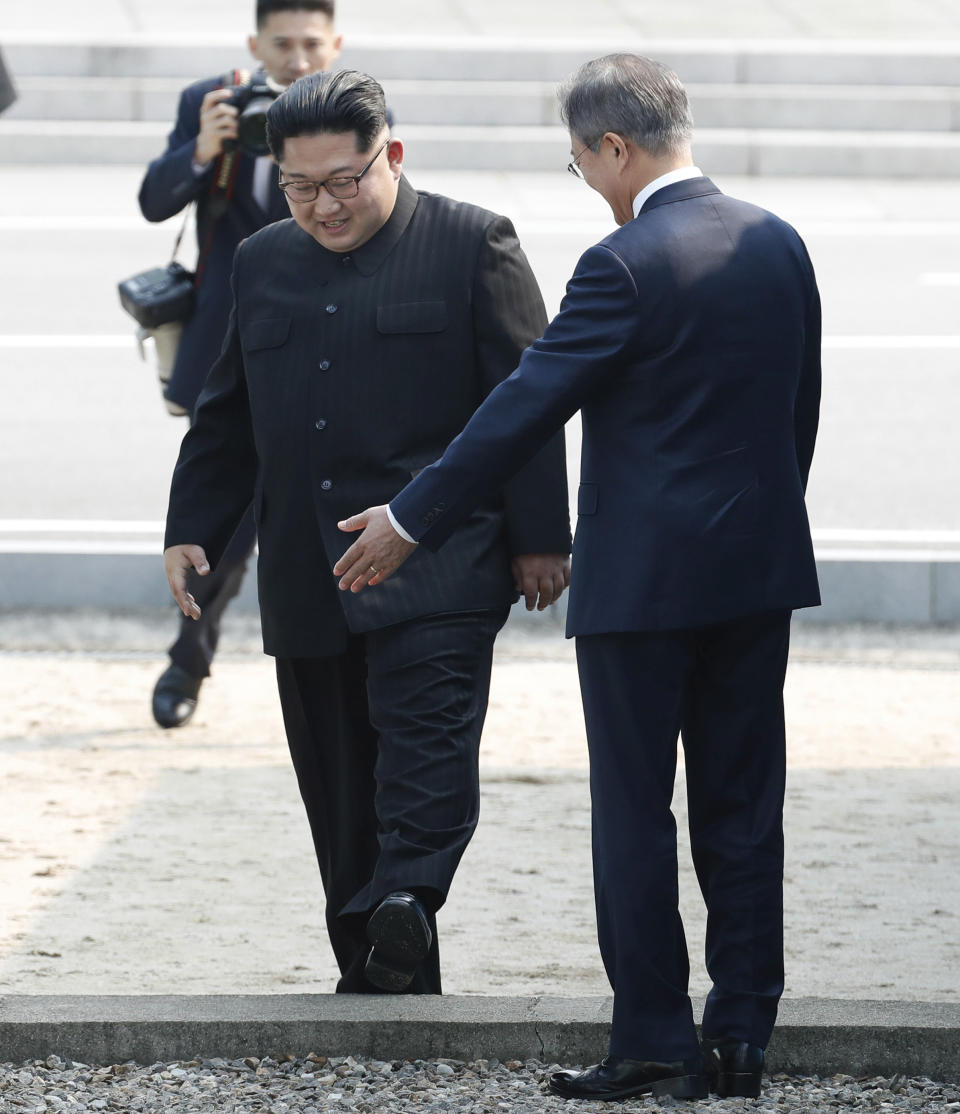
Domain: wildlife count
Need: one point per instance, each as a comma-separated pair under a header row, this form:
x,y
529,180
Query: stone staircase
x,y
875,109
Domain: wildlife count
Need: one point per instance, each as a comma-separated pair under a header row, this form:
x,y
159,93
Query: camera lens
x,y
252,126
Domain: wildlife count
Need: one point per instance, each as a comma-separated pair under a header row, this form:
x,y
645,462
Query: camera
x,y
252,99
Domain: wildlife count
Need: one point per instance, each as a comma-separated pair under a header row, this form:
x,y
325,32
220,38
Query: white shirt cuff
x,y
399,529
200,168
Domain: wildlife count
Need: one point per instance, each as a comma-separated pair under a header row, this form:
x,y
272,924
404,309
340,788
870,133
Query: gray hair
x,y
633,96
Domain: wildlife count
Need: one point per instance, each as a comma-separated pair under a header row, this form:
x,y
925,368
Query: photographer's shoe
x,y
400,934
175,697
734,1067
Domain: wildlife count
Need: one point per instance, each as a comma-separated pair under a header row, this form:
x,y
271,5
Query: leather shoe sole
x,y
400,935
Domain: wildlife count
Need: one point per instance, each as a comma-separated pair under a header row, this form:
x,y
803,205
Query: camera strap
x,y
221,186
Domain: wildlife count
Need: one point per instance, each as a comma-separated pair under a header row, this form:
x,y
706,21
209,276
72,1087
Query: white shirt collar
x,y
679,175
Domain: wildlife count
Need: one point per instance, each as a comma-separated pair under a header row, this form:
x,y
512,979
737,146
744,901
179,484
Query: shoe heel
x,y
682,1087
738,1085
388,975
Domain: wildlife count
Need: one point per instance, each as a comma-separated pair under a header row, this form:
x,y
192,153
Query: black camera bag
x,y
159,296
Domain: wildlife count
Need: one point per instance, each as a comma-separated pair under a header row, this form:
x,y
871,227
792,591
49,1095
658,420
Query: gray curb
x,y
814,1036
879,586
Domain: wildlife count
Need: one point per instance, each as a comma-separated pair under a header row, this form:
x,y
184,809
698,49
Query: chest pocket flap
x,y
270,332
412,317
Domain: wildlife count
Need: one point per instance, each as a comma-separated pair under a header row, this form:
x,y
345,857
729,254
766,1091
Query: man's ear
x,y
395,157
618,143
253,45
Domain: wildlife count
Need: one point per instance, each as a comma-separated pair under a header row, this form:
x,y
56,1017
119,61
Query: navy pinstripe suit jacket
x,y
340,378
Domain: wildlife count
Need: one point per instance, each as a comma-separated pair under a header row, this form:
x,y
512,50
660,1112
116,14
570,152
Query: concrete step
x,y
726,61
798,153
522,103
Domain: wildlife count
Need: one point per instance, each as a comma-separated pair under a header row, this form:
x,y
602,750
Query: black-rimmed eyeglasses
x,y
340,188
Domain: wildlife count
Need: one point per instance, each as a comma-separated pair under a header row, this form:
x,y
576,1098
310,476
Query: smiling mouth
x,y
334,224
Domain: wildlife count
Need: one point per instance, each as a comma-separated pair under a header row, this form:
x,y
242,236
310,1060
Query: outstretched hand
x,y
178,560
375,555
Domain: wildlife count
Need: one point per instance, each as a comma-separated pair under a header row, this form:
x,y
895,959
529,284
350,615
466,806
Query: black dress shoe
x,y
175,697
400,934
615,1078
734,1067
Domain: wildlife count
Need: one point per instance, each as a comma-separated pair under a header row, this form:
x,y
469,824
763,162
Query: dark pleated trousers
x,y
720,688
385,742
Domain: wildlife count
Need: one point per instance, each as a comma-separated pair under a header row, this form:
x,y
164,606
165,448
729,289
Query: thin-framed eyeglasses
x,y
574,165
340,188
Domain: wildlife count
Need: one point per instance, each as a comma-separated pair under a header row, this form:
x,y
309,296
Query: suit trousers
x,y
720,688
197,639
385,742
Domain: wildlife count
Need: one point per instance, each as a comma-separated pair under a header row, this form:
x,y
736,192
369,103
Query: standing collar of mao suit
x,y
679,191
369,256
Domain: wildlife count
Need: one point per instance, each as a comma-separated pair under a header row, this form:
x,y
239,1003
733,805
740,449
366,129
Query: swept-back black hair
x,y
345,101
266,8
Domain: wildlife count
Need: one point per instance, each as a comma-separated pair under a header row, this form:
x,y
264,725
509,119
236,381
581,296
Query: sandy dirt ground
x,y
134,860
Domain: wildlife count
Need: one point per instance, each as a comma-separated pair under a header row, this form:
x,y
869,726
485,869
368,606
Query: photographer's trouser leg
x,y
197,640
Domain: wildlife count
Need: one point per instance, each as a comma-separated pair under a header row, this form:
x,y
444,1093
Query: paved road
x,y
83,435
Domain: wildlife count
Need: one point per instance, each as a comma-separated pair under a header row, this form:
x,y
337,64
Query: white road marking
x,y
68,340
77,224
888,342
79,526
84,546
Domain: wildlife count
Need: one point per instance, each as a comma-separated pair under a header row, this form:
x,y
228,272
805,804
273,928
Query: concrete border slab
x,y
814,1036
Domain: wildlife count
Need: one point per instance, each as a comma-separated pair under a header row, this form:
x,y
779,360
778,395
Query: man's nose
x,y
325,206
300,63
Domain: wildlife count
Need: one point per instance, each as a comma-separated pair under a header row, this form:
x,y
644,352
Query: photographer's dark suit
x,y
690,340
341,377
169,186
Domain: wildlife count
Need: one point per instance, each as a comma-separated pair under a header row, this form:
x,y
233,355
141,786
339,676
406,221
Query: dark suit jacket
x,y
8,93
168,187
690,340
341,377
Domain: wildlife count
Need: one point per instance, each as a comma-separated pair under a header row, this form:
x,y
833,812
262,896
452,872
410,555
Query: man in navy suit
x,y
689,339
236,194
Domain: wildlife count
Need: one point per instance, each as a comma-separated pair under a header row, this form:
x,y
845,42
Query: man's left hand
x,y
543,575
375,555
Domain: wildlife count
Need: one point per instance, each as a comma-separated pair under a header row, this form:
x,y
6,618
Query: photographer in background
x,y
221,166
8,93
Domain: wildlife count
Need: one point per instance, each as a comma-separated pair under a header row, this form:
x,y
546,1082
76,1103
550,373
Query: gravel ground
x,y
290,1086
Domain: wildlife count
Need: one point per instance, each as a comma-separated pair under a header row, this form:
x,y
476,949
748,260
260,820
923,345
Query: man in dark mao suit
x,y
365,332
293,38
690,341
